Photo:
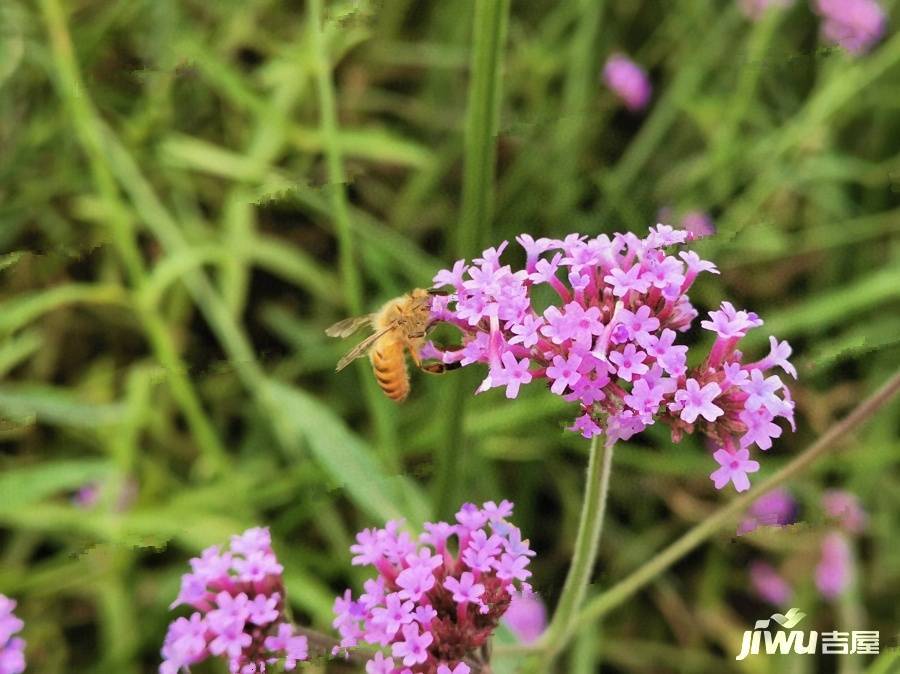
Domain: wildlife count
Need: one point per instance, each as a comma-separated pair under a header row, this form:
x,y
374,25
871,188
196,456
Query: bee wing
x,y
360,349
348,326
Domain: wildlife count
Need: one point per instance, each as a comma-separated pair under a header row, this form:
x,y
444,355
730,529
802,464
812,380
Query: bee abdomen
x,y
389,365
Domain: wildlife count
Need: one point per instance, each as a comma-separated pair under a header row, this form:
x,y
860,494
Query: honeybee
x,y
399,325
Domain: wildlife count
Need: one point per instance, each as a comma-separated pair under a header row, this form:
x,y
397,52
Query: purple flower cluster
x,y
856,25
238,595
834,570
628,80
12,649
434,602
609,343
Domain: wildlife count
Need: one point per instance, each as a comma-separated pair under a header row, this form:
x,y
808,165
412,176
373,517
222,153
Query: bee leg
x,y
439,368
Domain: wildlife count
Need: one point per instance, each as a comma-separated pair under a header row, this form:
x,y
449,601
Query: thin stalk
x,y
479,165
482,119
617,594
72,91
587,542
337,193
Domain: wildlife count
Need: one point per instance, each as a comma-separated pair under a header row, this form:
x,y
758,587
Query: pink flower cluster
x,y
856,25
609,343
834,570
239,600
435,602
12,648
628,80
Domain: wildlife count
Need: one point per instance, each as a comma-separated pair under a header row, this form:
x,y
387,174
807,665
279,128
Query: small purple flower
x,y
776,508
695,401
526,617
733,468
769,584
465,590
564,372
629,362
12,649
697,223
513,375
856,25
414,647
835,569
628,80
845,507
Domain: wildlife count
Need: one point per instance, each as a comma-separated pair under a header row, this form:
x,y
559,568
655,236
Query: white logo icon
x,y
781,641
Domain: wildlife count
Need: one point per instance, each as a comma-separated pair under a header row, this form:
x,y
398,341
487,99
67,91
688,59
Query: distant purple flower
x,y
845,507
769,584
754,9
238,597
12,649
628,80
609,343
438,602
856,25
698,224
733,467
526,617
775,508
835,569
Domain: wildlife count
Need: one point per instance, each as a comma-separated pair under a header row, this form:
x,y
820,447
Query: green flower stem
x,y
382,415
616,595
479,164
587,542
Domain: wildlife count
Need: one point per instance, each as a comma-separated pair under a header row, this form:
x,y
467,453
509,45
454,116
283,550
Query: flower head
x,y
526,617
238,597
769,584
430,607
776,508
845,507
12,648
856,25
610,342
628,80
835,569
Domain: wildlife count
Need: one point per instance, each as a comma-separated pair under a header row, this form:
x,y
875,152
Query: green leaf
x,y
30,484
16,312
345,457
56,406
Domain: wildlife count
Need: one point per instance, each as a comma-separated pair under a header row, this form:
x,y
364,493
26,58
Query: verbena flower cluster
x,y
628,81
834,570
12,648
610,341
856,25
434,602
238,595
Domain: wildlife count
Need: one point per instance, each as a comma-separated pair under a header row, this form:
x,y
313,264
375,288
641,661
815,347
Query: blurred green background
x,y
190,192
